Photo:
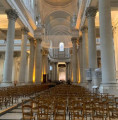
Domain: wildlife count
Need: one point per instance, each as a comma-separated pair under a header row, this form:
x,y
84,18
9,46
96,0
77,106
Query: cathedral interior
x,y
58,59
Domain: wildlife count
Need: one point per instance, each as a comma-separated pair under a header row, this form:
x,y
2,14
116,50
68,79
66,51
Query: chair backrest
x,y
43,112
27,111
34,104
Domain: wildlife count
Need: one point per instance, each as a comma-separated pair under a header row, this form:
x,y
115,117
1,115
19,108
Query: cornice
x,y
82,13
30,17
22,17
58,6
58,60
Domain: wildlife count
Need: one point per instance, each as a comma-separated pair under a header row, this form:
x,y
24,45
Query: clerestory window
x,y
61,46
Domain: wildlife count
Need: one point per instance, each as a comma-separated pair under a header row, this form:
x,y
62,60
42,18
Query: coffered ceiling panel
x,y
58,2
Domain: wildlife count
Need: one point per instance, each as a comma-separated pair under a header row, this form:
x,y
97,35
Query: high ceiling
x,y
58,2
56,16
58,23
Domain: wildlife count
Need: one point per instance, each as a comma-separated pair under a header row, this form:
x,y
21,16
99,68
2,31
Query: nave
x,y
64,102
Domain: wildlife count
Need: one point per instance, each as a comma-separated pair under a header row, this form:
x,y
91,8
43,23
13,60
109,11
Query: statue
x,y
38,21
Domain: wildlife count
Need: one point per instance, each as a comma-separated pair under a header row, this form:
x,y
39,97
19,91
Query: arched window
x,y
61,46
50,67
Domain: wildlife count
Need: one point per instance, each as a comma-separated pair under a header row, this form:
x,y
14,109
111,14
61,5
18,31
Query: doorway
x,y
62,72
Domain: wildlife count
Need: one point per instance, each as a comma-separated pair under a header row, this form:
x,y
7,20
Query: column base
x,y
96,77
37,83
6,84
21,83
29,83
111,88
90,85
84,84
75,83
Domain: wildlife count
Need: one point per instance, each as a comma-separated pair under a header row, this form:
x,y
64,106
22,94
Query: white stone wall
x,y
1,67
16,66
27,68
55,53
115,38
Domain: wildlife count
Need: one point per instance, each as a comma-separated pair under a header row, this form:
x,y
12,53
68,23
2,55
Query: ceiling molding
x,y
58,3
22,17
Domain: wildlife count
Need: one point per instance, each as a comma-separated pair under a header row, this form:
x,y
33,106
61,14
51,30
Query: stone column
x,y
7,77
69,74
49,72
91,13
27,68
23,60
16,65
31,63
107,48
45,56
38,61
45,62
67,71
74,59
48,68
55,71
78,62
80,59
84,30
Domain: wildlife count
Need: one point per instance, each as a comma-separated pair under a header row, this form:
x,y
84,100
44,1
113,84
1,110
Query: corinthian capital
x,y
12,14
91,11
74,40
24,30
84,29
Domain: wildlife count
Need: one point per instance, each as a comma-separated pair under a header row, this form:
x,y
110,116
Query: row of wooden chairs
x,y
44,110
11,95
75,102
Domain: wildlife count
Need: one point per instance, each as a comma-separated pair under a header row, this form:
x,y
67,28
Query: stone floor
x,y
15,114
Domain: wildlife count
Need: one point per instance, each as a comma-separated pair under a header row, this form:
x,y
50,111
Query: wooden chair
x,y
60,113
88,109
1,102
34,106
113,111
100,111
78,112
43,113
27,112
